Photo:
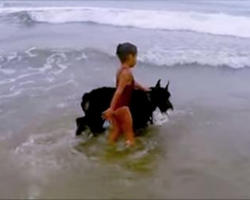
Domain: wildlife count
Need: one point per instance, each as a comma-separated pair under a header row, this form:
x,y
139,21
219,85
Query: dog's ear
x,y
158,84
167,86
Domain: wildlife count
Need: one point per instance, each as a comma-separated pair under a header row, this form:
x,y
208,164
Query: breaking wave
x,y
211,23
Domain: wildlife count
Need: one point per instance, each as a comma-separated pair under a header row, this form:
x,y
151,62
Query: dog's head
x,y
160,97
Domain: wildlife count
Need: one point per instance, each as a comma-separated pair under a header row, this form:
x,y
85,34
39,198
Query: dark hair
x,y
124,49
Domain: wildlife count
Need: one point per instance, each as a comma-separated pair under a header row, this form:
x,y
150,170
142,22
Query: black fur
x,y
142,106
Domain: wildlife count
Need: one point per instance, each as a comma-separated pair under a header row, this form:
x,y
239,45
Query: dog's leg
x,y
80,129
96,125
79,121
81,124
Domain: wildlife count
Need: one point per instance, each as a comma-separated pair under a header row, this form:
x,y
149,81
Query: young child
x,y
119,114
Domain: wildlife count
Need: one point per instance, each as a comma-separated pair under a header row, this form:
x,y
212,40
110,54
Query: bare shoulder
x,y
126,73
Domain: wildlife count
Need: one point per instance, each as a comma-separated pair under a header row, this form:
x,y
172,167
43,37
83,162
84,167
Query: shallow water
x,y
201,151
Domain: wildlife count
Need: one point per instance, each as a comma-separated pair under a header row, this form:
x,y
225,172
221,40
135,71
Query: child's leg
x,y
115,131
125,123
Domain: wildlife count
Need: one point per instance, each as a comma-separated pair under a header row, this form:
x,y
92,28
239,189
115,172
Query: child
x,y
119,114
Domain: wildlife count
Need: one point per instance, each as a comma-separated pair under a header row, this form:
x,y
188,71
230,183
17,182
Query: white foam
x,y
38,156
159,118
7,81
13,80
29,52
7,71
11,56
12,88
82,57
55,59
10,95
213,23
62,68
61,105
171,57
106,124
70,81
26,82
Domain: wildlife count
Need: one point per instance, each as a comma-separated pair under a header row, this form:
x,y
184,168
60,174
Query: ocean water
x,y
51,52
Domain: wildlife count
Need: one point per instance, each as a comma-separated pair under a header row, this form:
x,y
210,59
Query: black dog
x,y
142,106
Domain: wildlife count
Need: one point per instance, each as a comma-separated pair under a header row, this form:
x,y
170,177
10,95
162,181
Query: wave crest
x,y
22,17
161,57
216,23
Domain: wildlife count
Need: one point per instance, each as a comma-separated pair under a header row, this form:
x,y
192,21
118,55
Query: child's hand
x,y
108,114
146,89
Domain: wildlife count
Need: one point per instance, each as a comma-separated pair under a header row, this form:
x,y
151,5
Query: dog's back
x,y
97,100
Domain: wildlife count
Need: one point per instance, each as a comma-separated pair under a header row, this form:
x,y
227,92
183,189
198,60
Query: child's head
x,y
127,53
